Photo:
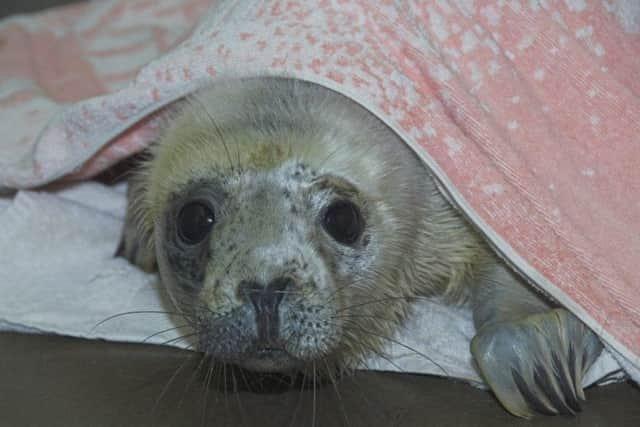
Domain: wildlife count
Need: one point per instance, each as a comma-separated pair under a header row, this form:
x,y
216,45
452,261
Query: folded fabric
x,y
528,113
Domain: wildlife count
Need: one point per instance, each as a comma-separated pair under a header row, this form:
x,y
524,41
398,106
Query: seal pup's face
x,y
284,220
260,255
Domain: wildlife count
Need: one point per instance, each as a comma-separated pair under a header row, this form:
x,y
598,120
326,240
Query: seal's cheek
x,y
310,328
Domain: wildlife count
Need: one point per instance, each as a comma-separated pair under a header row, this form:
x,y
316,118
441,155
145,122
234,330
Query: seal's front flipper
x,y
537,363
531,354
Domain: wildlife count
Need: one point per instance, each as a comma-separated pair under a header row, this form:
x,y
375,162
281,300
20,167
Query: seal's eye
x,y
194,222
343,222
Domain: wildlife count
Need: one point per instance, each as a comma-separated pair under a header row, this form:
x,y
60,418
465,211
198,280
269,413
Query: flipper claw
x,y
549,354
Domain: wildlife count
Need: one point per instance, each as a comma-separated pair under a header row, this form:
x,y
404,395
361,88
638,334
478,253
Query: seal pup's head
x,y
289,224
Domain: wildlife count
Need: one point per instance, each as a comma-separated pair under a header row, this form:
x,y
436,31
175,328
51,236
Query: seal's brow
x,y
336,184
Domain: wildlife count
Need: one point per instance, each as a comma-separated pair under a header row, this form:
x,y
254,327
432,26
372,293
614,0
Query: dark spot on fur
x,y
189,268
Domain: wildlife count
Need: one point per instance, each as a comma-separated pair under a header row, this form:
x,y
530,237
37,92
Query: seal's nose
x,y
265,301
266,298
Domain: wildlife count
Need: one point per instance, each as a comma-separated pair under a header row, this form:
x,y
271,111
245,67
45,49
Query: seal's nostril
x,y
277,289
265,301
253,292
266,298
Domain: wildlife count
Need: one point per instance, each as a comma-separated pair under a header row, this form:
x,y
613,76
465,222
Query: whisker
x,y
236,392
315,389
378,301
300,397
224,384
295,292
339,289
419,353
207,384
172,340
129,313
334,383
362,394
244,379
388,359
171,380
163,331
361,316
217,130
192,378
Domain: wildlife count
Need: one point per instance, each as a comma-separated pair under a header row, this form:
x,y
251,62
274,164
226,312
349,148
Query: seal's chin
x,y
269,359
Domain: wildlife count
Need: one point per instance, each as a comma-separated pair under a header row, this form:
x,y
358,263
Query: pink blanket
x,y
528,112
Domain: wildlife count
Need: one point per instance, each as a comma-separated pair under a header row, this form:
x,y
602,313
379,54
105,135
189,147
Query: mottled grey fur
x,y
268,155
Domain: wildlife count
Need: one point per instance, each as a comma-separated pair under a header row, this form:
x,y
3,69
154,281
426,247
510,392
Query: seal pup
x,y
293,228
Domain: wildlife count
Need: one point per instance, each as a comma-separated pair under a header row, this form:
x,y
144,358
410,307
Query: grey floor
x,y
10,7
57,381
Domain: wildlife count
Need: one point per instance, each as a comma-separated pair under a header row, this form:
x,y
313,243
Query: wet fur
x,y
283,137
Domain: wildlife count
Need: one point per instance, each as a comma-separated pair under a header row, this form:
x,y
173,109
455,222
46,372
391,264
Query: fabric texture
x,y
528,113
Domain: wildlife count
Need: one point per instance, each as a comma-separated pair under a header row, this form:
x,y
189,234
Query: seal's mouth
x,y
269,359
